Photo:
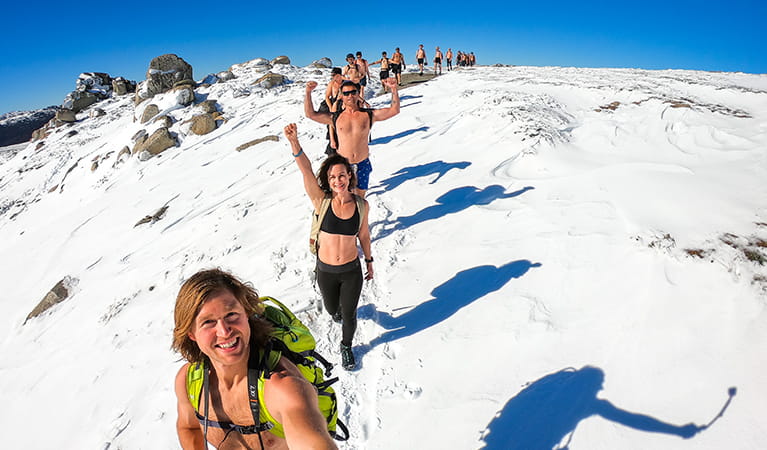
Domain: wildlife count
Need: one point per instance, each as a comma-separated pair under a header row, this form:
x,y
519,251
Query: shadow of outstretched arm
x,y
643,422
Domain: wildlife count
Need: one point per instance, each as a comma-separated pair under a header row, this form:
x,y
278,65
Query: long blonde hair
x,y
202,286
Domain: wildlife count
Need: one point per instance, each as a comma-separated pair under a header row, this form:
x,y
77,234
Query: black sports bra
x,y
333,225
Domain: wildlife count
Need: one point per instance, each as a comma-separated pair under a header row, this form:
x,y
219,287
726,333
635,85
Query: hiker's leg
x,y
351,287
330,288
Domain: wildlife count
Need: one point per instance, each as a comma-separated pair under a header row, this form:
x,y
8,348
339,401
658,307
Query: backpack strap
x,y
314,234
362,207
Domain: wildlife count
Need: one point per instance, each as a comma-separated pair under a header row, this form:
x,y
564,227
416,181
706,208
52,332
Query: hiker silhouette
x,y
451,202
449,297
549,409
412,172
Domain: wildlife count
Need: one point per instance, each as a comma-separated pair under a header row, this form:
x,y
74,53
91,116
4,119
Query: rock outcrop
x,y
163,73
156,143
60,292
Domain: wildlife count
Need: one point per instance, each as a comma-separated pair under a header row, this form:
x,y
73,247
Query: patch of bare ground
x,y
682,103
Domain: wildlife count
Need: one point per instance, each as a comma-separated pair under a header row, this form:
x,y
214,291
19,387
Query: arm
x,y
393,110
311,186
295,406
364,238
187,427
309,106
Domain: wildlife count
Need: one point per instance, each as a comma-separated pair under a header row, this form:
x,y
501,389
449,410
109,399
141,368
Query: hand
x,y
291,132
310,86
391,83
369,274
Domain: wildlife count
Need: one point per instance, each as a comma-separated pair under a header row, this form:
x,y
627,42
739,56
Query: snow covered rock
x,y
163,73
60,292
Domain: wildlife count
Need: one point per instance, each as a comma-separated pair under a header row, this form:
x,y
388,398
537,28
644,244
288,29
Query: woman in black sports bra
x,y
339,274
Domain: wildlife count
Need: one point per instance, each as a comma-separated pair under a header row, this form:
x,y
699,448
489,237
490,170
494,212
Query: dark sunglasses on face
x,y
349,92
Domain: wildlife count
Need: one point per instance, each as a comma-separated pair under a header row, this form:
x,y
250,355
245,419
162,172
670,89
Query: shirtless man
x,y
214,325
332,92
352,71
353,126
384,61
397,62
449,58
437,61
420,56
362,64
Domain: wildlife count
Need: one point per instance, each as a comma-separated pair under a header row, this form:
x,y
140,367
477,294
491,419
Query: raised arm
x,y
309,106
293,402
393,110
188,428
311,186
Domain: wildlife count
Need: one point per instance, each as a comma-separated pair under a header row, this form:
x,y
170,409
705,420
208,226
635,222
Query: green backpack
x,y
317,217
293,340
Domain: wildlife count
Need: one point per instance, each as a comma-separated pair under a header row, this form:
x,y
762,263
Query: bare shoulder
x,y
181,378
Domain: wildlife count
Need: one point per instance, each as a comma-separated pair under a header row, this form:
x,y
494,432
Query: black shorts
x,y
420,60
364,81
384,74
395,68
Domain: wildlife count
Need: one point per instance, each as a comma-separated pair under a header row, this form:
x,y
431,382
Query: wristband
x,y
369,260
300,152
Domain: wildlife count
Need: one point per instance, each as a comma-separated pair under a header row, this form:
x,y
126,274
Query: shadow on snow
x,y
549,410
449,297
400,135
412,172
451,202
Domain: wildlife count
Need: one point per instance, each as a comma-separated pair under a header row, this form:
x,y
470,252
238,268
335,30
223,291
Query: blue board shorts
x,y
362,170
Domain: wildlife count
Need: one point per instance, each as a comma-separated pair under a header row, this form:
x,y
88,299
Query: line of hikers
x,y
221,325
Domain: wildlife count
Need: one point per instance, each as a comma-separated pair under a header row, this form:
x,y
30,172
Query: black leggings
x,y
340,287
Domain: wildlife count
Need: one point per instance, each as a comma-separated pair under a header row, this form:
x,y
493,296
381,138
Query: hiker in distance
x,y
352,123
341,220
216,323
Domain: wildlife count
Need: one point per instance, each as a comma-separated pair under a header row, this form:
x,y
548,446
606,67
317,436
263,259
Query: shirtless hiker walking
x,y
353,125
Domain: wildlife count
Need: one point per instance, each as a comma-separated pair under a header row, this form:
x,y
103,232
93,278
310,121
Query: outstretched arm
x,y
188,429
393,110
309,106
311,186
295,406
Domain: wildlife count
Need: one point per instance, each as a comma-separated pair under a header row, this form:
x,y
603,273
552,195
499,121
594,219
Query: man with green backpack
x,y
252,379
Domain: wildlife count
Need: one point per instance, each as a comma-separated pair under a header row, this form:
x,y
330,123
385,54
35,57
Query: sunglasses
x,y
349,92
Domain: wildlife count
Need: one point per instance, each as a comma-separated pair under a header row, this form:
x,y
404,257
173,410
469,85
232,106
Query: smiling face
x,y
221,329
338,178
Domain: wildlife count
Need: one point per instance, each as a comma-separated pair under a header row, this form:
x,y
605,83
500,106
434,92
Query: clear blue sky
x,y
48,45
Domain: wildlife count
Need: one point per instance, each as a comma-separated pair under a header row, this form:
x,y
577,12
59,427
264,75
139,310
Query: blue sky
x,y
48,46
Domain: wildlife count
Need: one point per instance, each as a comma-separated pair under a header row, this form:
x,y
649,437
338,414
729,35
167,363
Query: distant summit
x,y
17,126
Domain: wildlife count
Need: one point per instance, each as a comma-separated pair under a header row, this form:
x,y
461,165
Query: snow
x,y
536,285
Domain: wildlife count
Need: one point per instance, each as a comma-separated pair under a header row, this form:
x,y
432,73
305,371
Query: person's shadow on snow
x,y
440,168
449,297
452,202
549,409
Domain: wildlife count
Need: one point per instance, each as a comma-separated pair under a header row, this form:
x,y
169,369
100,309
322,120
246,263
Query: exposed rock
x,y
149,112
322,63
208,106
166,121
66,115
122,156
208,80
157,215
280,60
121,86
77,101
270,80
60,292
163,73
70,133
94,165
140,134
96,83
96,112
157,143
226,75
257,141
203,124
39,145
184,95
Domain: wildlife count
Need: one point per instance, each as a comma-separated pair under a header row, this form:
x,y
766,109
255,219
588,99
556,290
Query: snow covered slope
x,y
564,257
